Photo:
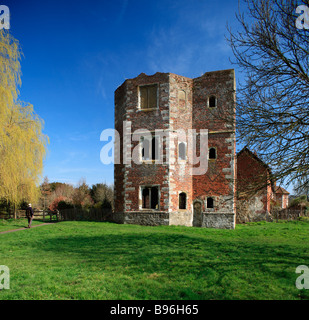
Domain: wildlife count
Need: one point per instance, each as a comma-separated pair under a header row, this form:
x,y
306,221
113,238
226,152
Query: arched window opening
x,y
210,203
182,95
182,200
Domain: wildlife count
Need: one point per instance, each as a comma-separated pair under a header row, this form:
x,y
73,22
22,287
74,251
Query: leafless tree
x,y
301,187
272,54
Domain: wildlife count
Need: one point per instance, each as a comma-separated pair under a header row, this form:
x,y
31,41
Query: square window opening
x,y
148,97
150,198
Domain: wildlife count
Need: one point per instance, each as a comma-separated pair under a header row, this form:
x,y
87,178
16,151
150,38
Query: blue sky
x,y
76,53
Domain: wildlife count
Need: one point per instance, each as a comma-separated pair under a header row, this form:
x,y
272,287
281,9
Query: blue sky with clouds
x,y
76,53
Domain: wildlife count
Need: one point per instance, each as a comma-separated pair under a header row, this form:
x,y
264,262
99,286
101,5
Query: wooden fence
x,y
37,214
92,214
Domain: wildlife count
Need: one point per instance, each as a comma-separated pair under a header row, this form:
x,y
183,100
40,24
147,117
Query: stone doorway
x,y
197,214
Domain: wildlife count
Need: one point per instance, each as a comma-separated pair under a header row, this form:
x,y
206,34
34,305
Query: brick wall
x,y
219,181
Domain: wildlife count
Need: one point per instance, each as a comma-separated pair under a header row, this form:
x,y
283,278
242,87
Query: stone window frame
x,y
208,101
139,96
141,188
186,206
142,138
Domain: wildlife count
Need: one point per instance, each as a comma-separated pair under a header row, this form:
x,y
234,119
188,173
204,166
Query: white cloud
x,y
193,44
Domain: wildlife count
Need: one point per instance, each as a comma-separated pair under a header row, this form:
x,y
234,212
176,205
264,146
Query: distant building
x,y
281,197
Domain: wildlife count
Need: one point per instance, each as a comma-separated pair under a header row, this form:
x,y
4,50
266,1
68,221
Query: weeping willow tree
x,y
22,143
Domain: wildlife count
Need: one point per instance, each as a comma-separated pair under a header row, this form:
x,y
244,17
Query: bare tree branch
x,y
273,99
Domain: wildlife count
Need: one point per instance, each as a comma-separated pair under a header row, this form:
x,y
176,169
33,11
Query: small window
x,y
182,200
155,148
145,149
148,97
150,197
212,153
181,95
212,102
210,203
182,151
150,148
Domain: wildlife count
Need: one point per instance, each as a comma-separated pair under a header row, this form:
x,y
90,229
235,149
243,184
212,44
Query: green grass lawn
x,y
12,224
96,260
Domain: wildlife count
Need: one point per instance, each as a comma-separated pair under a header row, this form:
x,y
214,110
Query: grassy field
x,y
96,260
12,224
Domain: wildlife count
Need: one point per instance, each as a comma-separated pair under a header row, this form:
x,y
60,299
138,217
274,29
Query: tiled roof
x,y
281,190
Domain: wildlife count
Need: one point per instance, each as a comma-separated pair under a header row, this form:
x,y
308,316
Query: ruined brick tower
x,y
155,181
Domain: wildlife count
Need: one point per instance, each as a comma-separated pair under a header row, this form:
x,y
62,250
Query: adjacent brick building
x,y
155,179
255,188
